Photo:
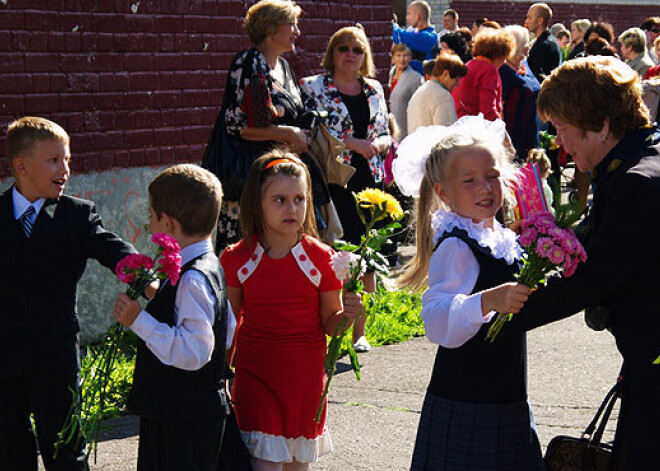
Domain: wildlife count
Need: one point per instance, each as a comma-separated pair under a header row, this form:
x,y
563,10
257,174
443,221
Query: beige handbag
x,y
325,149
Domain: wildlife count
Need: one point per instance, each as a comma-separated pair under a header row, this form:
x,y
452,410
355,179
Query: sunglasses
x,y
357,50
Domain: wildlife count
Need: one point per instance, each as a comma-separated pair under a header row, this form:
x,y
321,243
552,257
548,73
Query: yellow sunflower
x,y
372,197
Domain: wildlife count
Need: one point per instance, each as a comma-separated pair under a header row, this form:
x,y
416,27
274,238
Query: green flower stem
x,y
83,423
331,358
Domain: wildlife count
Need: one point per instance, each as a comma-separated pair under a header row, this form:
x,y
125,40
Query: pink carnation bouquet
x,y
138,271
548,248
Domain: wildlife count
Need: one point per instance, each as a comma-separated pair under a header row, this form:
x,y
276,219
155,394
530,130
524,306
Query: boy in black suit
x,y
178,384
46,239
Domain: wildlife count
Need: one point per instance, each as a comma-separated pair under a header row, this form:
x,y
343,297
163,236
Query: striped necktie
x,y
26,220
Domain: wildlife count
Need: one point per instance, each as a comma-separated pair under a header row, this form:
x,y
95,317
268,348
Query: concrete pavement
x,y
373,422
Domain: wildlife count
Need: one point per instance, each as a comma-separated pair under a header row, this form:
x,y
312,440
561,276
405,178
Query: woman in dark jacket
x,y
595,104
262,109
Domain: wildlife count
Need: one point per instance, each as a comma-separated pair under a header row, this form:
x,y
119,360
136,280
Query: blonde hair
x,y
264,17
414,274
23,133
251,214
634,38
349,34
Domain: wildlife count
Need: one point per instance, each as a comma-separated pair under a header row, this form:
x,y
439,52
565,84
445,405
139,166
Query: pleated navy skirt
x,y
460,436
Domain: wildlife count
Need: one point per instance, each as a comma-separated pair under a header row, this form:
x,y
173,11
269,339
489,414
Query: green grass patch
x,y
121,377
393,318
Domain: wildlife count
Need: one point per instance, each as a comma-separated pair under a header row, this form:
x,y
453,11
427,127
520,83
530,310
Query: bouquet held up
x,y
352,261
138,271
549,243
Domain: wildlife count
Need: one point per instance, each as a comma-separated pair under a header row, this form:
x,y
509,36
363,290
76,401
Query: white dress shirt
x,y
21,204
188,345
452,315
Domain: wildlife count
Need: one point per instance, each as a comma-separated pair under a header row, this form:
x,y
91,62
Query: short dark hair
x,y
428,66
651,23
24,132
457,43
451,12
189,194
599,47
604,30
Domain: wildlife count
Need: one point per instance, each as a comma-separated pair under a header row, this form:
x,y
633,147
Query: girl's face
x,y
472,187
284,204
348,57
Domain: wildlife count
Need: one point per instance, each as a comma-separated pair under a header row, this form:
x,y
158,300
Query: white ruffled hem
x,y
279,449
502,242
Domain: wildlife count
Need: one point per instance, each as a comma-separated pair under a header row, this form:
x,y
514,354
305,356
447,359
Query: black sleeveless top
x,y
165,393
480,371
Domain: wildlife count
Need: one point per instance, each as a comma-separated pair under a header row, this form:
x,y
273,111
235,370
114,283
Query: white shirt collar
x,y
195,250
21,204
502,242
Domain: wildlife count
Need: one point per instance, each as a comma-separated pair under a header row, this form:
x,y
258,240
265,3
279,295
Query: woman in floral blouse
x,y
263,107
357,115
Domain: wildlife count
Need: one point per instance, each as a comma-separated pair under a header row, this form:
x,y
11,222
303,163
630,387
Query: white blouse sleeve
x,y
452,315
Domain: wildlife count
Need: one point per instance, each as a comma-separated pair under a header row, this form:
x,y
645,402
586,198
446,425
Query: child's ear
x,y
440,190
19,165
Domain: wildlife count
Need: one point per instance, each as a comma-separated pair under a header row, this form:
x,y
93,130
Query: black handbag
x,y
586,453
230,158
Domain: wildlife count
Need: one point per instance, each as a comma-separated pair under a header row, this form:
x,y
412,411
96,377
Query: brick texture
x,y
140,83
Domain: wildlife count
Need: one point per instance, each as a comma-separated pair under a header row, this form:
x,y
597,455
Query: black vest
x,y
480,371
165,393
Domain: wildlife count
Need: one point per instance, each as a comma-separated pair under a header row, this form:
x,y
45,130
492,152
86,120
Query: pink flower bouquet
x,y
548,248
138,272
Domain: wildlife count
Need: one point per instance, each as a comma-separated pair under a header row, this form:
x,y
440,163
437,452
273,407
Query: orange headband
x,y
272,163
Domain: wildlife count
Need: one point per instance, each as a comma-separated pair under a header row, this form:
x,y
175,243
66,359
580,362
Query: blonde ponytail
x,y
414,273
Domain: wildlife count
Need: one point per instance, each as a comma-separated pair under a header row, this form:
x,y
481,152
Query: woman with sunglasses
x,y
357,115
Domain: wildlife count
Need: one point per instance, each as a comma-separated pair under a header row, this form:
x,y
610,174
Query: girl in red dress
x,y
281,284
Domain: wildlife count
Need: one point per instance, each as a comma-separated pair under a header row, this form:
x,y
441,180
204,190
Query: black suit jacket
x,y
622,241
544,56
622,236
38,283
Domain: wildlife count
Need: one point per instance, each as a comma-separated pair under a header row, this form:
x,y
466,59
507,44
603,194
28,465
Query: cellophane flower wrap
x,y
352,261
548,247
138,271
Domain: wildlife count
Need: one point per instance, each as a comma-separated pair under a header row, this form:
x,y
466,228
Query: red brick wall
x,y
140,83
620,16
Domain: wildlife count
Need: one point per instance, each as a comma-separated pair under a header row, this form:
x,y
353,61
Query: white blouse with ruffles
x,y
452,315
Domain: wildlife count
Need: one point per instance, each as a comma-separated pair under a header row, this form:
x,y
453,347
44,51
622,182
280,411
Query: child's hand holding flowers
x,y
351,262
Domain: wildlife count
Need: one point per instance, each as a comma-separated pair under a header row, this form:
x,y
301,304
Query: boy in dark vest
x,y
46,239
178,384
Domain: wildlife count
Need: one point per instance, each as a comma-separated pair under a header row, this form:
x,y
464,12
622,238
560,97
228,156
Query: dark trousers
x,y
193,446
49,400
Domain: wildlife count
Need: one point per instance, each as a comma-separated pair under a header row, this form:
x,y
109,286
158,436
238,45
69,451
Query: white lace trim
x,y
280,449
502,242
